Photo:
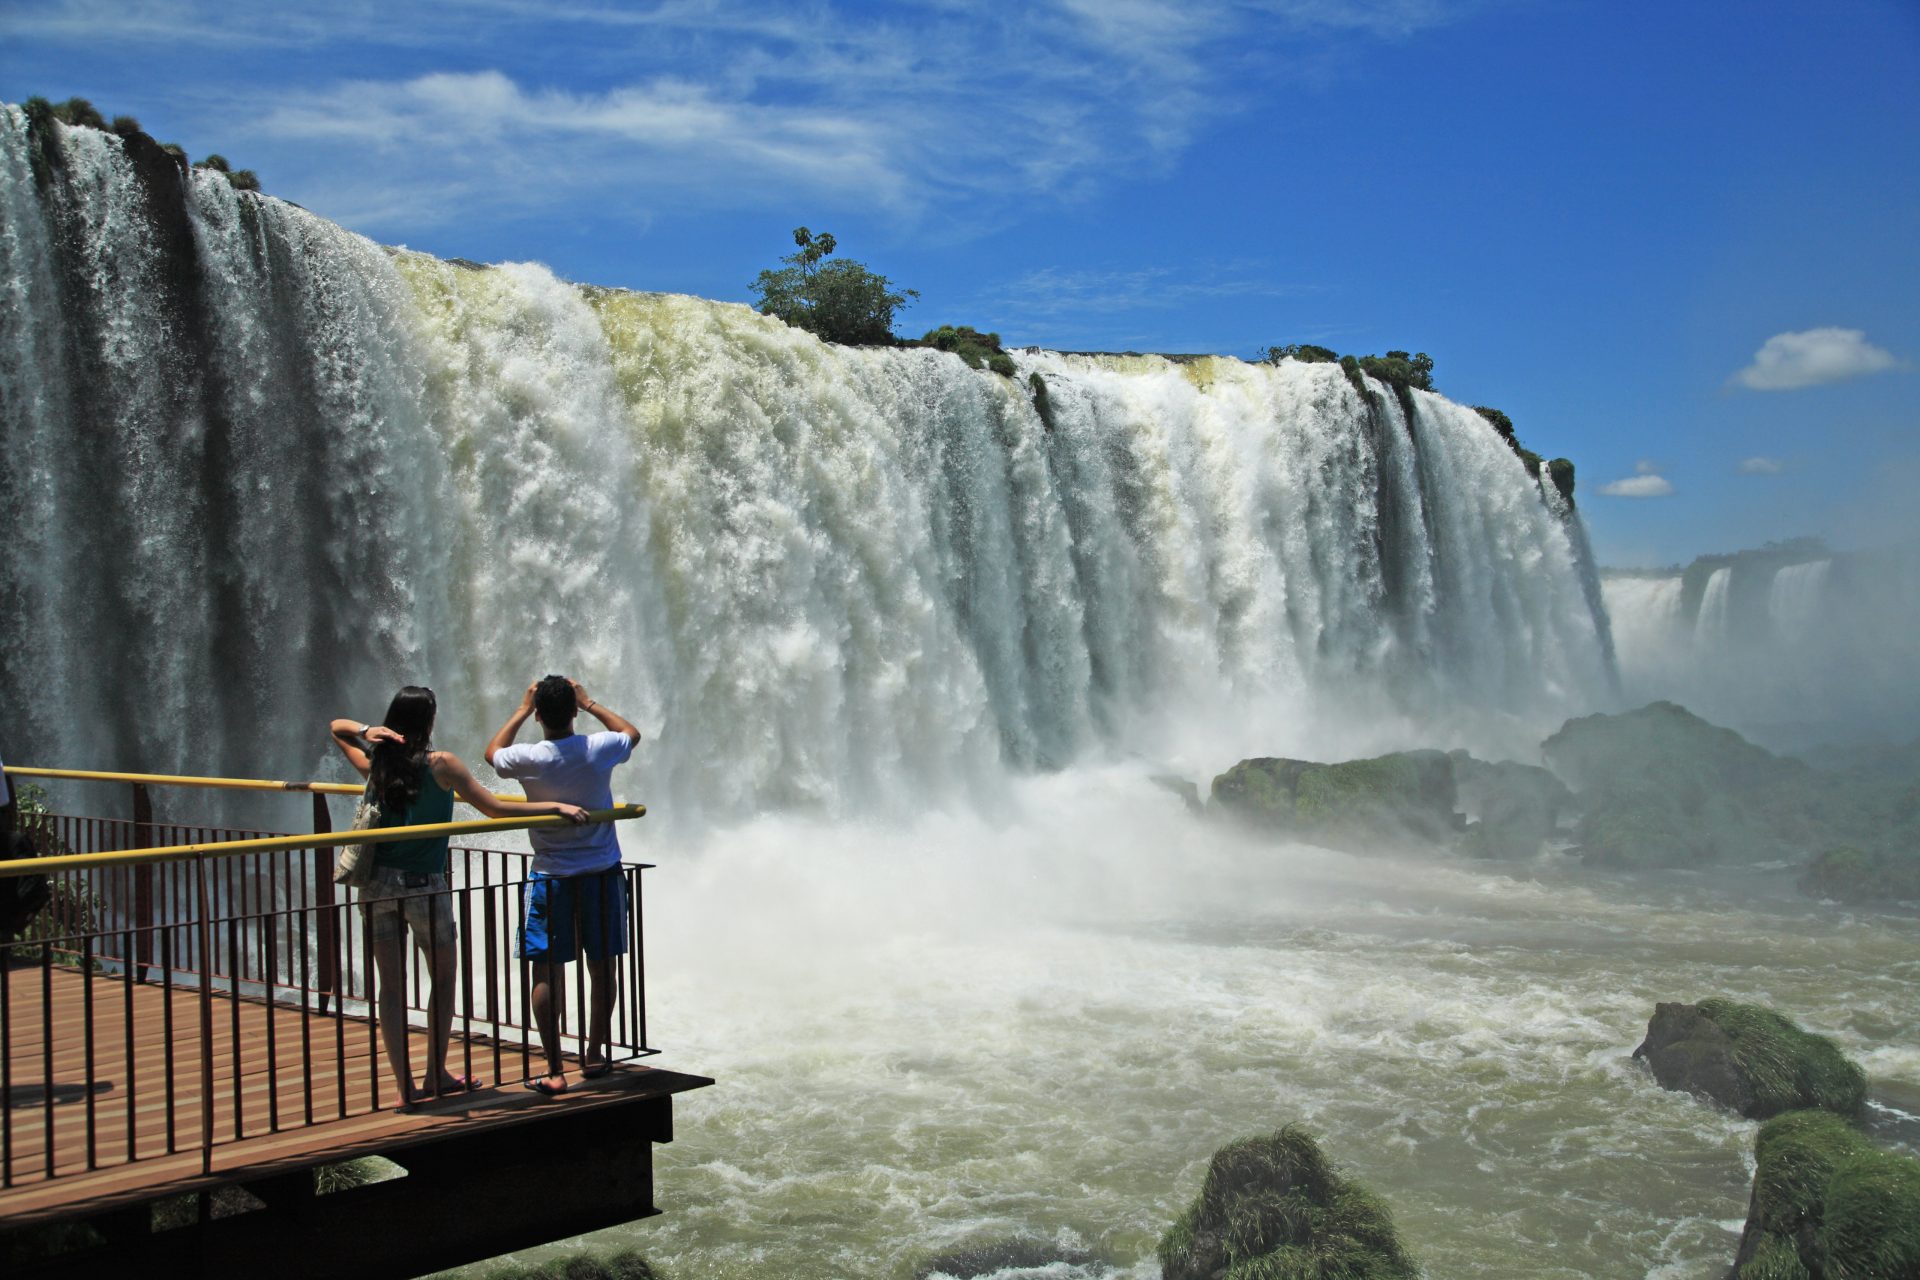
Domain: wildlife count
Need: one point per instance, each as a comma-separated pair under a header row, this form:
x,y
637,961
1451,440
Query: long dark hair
x,y
397,767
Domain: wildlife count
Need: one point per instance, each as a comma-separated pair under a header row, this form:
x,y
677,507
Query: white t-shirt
x,y
572,770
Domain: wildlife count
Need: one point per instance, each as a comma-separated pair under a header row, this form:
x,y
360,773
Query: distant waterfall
x,y
1710,624
261,471
1794,597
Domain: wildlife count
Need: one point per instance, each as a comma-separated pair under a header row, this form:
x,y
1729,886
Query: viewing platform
x,y
189,1037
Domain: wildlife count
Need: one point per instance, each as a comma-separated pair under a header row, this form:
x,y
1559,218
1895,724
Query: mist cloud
x,y
1760,466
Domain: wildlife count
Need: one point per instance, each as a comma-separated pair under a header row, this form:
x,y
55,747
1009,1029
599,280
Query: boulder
x,y
1273,1206
1661,787
1749,1058
1016,1253
1860,877
1828,1205
1406,797
1513,809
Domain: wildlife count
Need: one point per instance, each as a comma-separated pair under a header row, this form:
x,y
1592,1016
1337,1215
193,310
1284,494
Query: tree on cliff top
x,y
841,301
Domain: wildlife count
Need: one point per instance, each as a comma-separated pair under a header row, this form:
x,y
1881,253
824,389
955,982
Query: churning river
x,y
1045,1025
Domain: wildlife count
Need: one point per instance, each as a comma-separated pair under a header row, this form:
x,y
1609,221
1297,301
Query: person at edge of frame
x,y
576,896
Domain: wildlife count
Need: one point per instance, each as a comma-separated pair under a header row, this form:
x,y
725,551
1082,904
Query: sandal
x,y
546,1085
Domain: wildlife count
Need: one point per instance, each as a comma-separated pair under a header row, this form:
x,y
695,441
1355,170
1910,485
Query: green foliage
x,y
1826,1198
244,180
1273,1208
1788,1067
840,301
218,163
1400,370
78,111
1502,424
1356,803
1305,352
616,1264
175,150
1560,472
977,349
125,125
1042,399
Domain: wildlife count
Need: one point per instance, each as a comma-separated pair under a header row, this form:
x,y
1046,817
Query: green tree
x,y
841,301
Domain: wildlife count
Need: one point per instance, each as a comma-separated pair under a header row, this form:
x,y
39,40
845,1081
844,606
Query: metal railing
x,y
196,987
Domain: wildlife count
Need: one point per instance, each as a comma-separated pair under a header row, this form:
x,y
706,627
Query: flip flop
x,y
545,1085
594,1070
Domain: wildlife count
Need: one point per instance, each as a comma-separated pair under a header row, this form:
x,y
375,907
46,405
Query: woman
x,y
415,785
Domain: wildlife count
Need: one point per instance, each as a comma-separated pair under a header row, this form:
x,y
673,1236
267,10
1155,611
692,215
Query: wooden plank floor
x,y
290,1089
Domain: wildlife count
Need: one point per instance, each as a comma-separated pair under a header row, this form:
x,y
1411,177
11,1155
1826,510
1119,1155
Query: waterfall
x,y
260,471
1794,598
1710,623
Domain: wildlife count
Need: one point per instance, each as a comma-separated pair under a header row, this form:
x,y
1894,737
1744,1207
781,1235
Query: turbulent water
x,y
906,656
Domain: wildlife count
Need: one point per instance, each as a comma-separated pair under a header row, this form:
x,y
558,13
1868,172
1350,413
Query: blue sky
x,y
1678,243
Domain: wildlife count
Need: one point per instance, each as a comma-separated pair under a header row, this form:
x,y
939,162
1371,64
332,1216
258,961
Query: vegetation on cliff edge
x,y
1828,1204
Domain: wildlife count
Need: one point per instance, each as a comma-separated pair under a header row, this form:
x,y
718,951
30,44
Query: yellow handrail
x,y
188,780
268,844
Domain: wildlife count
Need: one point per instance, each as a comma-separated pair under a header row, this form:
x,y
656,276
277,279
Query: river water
x,y
1044,1025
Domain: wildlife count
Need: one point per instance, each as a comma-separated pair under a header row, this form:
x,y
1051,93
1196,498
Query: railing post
x,y
142,923
328,977
204,932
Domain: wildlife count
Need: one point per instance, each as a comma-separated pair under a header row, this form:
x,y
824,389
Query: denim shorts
x,y
395,901
561,912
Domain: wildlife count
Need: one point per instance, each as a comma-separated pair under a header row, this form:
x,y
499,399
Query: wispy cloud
x,y
943,108
1759,466
1790,361
1645,482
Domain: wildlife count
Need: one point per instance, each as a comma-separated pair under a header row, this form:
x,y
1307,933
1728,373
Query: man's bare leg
x,y
547,975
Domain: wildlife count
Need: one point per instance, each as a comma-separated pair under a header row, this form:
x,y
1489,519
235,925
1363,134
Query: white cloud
x,y
1646,467
1644,485
1758,466
1789,361
940,109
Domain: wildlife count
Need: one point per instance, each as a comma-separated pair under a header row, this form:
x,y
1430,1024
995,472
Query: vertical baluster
x,y
323,897
143,834
86,1012
204,934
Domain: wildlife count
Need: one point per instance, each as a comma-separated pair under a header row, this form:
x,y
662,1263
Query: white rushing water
x,y
907,660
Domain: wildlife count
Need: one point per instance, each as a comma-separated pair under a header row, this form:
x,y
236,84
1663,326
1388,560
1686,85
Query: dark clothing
x,y
433,804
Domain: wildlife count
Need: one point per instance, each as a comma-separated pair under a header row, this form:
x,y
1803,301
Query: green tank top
x,y
433,804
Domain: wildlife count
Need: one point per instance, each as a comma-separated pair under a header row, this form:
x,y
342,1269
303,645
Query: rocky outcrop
x,y
1273,1206
1512,809
1407,797
1750,1059
1828,1205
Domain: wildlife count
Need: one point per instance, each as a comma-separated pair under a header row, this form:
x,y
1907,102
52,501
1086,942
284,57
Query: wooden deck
x,y
290,1089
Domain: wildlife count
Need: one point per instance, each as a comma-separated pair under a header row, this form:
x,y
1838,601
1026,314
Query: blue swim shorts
x,y
558,912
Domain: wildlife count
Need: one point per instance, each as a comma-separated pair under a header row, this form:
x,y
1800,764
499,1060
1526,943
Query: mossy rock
x,y
1393,799
1514,808
994,1256
1829,1205
1749,1058
1273,1208
616,1264
1861,877
1661,787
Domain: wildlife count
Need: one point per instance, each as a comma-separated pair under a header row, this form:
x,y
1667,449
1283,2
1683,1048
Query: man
x,y
575,892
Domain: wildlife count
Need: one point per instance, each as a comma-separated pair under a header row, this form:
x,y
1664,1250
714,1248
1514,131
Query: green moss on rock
x,y
1659,786
1749,1058
1385,799
1861,877
1827,1200
1273,1208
